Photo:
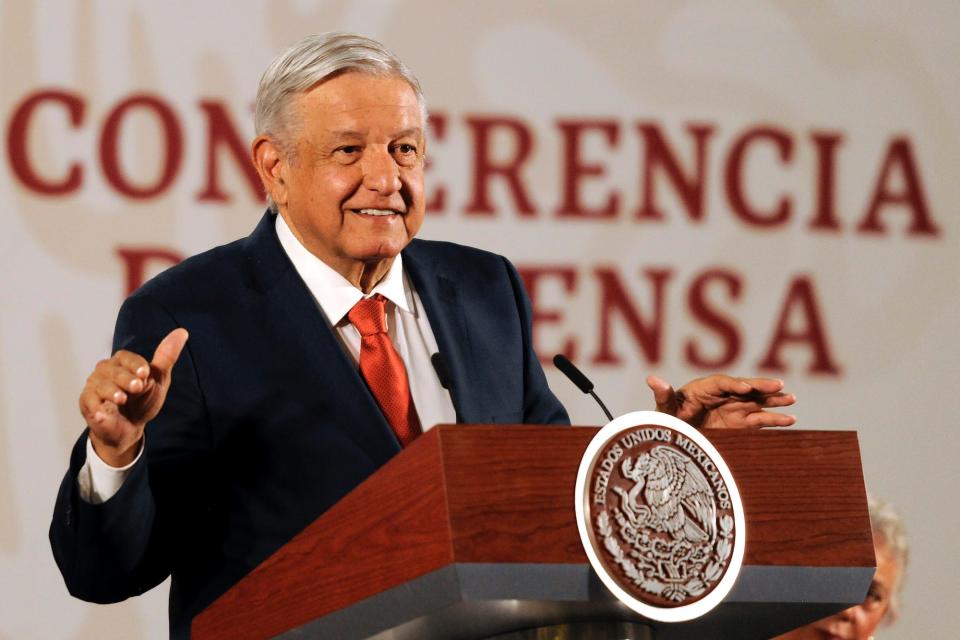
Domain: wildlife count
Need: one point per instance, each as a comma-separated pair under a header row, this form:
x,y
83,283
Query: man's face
x,y
352,181
860,621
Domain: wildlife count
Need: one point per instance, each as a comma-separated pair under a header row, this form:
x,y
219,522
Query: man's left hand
x,y
724,402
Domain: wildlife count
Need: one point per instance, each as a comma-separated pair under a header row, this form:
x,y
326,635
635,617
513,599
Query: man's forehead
x,y
356,91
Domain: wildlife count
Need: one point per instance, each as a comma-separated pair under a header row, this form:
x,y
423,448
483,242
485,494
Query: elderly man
x,y
308,364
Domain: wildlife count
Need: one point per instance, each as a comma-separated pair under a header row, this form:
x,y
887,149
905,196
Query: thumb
x,y
663,394
168,351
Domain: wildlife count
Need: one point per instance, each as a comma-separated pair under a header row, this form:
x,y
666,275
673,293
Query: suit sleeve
x,y
108,552
540,406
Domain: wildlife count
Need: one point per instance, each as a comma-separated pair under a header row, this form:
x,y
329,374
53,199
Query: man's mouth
x,y
376,212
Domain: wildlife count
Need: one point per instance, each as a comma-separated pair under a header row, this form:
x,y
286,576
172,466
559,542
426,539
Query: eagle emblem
x,y
676,496
662,516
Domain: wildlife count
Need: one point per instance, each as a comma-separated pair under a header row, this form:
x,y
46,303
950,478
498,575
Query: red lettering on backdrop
x,y
825,214
110,154
733,177
485,167
437,123
717,322
17,142
690,187
801,298
615,299
575,169
899,158
135,260
221,132
532,277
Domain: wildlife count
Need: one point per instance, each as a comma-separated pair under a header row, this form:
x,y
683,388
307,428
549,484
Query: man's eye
x,y
406,149
874,597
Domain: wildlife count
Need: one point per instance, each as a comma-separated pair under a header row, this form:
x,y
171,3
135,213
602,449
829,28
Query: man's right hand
x,y
123,394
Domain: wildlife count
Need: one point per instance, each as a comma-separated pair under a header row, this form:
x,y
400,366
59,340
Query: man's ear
x,y
270,163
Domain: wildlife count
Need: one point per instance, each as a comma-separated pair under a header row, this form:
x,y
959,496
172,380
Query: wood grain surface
x,y
505,494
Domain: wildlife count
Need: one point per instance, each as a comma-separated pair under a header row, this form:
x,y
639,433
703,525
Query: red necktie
x,y
383,370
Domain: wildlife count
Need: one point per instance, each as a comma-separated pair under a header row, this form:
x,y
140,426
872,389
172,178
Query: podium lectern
x,y
470,533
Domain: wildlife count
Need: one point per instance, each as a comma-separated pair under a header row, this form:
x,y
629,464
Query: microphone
x,y
576,376
443,375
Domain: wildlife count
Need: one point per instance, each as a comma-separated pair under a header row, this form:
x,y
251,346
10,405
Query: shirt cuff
x,y
98,481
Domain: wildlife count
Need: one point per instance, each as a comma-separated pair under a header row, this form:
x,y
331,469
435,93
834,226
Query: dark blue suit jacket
x,y
267,422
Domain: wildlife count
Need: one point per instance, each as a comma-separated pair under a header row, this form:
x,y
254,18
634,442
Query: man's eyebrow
x,y
346,133
351,133
412,131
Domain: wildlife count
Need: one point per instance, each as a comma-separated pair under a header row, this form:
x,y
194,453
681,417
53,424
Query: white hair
x,y
889,531
315,59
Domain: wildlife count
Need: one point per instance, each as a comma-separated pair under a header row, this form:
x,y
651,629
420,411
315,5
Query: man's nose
x,y
847,614
380,172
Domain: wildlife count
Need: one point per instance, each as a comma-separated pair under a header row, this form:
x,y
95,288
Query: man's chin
x,y
379,251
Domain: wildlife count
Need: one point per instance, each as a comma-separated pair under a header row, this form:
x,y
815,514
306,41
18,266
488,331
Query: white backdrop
x,y
781,182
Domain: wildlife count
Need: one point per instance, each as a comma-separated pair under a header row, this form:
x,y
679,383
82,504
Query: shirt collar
x,y
334,293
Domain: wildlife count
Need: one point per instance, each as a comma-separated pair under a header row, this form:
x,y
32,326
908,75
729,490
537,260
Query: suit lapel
x,y
444,305
293,317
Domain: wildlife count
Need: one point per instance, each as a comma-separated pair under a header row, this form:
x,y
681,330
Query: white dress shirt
x,y
407,325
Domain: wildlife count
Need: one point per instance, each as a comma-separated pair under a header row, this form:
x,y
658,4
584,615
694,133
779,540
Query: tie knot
x,y
368,315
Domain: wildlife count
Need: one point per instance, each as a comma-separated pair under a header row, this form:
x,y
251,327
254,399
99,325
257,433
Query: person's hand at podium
x,y
123,394
724,402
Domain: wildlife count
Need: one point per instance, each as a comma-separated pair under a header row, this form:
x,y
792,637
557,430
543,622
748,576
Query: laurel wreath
x,y
649,581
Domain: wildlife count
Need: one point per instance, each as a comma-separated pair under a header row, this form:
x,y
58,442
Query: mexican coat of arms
x,y
660,516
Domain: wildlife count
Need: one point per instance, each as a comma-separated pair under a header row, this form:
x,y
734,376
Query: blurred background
x,y
687,187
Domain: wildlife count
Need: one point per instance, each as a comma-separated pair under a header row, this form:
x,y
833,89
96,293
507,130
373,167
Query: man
x,y
881,606
262,420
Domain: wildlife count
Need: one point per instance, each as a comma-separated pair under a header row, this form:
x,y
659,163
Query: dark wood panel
x,y
802,491
803,495
511,498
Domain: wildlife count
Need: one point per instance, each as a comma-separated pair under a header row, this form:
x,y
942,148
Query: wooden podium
x,y
470,533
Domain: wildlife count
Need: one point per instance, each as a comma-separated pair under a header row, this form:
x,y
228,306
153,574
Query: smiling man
x,y
351,188
311,350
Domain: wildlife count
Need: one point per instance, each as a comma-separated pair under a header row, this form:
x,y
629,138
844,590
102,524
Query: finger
x,y
100,415
107,390
719,384
764,385
770,419
90,403
107,414
128,380
756,401
106,427
777,400
751,405
663,394
133,362
169,350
